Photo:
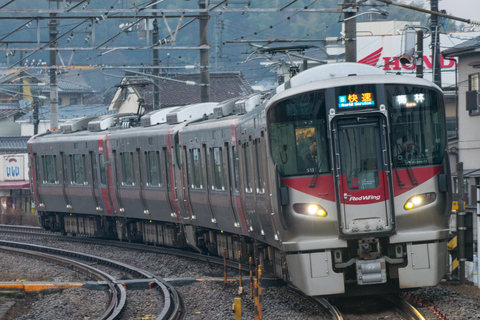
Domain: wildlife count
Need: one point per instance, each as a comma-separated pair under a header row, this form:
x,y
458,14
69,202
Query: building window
x,y
474,85
73,101
59,101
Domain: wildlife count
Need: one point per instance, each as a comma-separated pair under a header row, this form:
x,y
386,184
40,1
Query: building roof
x,y
5,113
13,144
69,112
223,86
469,46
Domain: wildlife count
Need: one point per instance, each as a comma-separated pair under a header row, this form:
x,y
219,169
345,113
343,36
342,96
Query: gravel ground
x,y
202,300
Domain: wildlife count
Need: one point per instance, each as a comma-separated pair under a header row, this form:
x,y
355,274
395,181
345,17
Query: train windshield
x,y
298,134
417,120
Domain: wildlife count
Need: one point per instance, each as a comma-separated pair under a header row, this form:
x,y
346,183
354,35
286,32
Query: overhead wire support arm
x,y
70,9
6,4
23,25
119,33
440,14
50,42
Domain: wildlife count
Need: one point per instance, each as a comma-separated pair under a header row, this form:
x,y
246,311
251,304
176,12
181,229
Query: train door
x,y
363,177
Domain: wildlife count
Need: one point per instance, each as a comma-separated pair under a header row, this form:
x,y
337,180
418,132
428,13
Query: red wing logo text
x,y
364,198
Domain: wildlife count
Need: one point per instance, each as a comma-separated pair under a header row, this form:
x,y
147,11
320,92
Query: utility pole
x,y
35,115
350,32
53,74
437,75
419,59
156,80
204,58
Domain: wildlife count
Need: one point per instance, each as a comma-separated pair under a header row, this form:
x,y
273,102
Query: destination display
x,y
356,96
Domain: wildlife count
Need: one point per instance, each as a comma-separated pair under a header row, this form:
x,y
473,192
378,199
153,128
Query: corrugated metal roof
x,y
13,144
5,113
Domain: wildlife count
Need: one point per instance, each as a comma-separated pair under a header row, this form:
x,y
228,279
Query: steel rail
x,y
404,306
117,292
172,308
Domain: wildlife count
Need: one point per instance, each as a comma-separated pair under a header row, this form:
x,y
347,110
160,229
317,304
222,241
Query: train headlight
x,y
420,200
310,209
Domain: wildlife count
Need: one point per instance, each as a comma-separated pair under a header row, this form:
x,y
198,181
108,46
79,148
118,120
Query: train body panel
x,y
338,182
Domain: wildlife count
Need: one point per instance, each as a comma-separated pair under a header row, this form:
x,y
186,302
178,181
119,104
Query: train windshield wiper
x,y
410,173
315,176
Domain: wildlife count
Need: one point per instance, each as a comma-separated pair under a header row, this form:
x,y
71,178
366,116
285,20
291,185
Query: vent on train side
x,y
191,112
156,117
104,122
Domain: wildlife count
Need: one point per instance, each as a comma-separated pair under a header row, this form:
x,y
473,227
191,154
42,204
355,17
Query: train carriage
x,y
337,181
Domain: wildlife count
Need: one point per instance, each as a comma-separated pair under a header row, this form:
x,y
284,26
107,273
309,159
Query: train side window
x,y
195,169
235,167
126,159
103,172
77,166
217,159
246,161
258,164
153,168
49,168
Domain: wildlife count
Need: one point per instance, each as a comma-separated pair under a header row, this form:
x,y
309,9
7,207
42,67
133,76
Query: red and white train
x,y
338,181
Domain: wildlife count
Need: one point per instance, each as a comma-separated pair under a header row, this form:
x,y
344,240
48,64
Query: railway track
x,y
327,306
172,305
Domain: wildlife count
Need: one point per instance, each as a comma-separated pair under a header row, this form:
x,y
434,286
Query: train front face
x,y
365,184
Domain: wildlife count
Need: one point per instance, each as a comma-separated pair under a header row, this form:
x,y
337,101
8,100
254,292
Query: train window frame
x,y
217,169
127,167
258,167
195,175
298,126
103,169
77,169
49,169
152,157
236,163
247,171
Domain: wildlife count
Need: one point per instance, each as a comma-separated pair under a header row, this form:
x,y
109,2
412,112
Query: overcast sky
x,y
467,9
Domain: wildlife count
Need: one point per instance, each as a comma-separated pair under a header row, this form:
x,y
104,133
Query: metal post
x,y
237,308
240,286
350,34
461,224
419,61
437,74
478,242
225,265
156,81
259,289
250,261
204,54
53,74
35,116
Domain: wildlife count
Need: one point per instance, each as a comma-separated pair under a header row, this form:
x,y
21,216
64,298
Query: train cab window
x,y
217,160
418,135
153,168
126,159
195,169
103,171
298,134
49,169
77,167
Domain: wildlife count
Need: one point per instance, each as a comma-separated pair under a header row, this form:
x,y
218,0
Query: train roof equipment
x,y
191,112
330,71
77,124
105,122
156,117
